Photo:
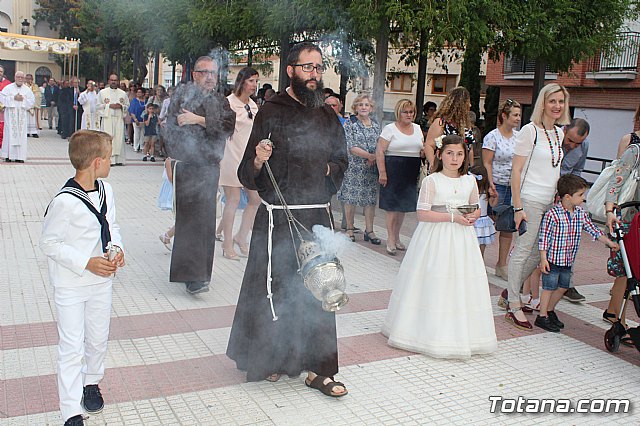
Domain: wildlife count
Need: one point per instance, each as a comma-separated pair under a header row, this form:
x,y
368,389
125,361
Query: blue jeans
x,y
558,276
504,196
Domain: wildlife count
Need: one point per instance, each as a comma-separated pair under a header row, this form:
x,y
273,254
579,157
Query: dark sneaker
x,y
145,158
545,323
572,295
92,399
152,159
554,319
75,421
195,287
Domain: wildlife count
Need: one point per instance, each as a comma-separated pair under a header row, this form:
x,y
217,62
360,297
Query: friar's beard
x,y
313,98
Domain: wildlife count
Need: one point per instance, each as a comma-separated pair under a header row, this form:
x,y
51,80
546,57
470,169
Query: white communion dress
x,y
440,305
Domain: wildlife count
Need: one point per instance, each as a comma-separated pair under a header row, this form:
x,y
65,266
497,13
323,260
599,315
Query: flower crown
x,y
439,141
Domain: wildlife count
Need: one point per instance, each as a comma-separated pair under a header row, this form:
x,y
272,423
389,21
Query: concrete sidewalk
x,y
167,365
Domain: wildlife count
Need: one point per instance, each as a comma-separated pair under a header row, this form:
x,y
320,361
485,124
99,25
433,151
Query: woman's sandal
x,y
244,248
609,317
166,240
326,388
400,246
521,325
370,236
231,255
350,234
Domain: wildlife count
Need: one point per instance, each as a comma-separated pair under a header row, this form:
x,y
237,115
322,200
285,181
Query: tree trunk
x,y
250,57
470,74
380,69
422,73
156,70
173,73
117,63
538,79
283,77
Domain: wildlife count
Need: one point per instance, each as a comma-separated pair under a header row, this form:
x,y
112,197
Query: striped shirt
x,y
560,234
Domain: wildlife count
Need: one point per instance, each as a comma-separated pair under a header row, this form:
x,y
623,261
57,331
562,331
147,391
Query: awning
x,y
38,44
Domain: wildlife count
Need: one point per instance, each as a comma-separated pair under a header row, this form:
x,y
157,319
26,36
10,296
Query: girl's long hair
x,y
483,183
455,109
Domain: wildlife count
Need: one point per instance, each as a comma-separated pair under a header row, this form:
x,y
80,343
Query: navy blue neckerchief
x,y
72,187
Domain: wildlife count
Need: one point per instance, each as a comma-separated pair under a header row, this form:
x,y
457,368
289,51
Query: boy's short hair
x,y
570,184
151,105
87,145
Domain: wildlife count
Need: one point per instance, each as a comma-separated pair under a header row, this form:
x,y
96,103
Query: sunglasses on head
x,y
249,113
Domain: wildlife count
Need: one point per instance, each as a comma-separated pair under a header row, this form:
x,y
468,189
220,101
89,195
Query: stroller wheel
x,y
612,340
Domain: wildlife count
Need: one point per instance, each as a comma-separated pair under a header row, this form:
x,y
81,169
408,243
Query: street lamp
x,y
25,26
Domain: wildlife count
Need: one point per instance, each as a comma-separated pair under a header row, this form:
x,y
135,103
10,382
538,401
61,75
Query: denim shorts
x,y
504,196
558,277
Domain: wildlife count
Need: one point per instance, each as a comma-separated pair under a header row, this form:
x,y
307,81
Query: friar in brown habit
x,y
279,327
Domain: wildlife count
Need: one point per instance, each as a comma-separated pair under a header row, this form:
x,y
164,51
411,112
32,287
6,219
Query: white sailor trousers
x,y
83,315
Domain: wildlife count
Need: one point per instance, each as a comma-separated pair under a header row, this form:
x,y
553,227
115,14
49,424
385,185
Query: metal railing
x,y
621,56
604,162
515,65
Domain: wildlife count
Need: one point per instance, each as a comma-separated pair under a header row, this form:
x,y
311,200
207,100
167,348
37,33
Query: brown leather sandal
x,y
326,388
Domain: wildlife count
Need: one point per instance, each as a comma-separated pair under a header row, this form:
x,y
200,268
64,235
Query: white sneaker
x,y
534,304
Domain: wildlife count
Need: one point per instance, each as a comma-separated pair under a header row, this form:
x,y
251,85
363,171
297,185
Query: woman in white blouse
x,y
497,154
534,175
398,154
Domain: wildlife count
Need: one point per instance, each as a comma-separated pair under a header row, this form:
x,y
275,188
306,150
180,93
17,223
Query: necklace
x,y
554,162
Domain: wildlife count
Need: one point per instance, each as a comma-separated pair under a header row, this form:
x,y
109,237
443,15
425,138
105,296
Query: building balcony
x,y
620,62
523,69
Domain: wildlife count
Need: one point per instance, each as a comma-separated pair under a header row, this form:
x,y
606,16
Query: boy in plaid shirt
x,y
558,243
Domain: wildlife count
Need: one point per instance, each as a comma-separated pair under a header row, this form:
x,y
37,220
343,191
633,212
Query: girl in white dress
x,y
441,304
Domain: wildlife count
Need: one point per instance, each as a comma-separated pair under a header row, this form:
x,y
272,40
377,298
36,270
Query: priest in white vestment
x,y
113,104
17,99
89,99
34,122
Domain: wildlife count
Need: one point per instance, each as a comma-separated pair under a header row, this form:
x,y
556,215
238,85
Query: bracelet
x,y
516,210
451,217
609,211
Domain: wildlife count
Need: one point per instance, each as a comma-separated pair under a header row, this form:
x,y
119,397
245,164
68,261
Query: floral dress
x,y
450,129
628,168
360,184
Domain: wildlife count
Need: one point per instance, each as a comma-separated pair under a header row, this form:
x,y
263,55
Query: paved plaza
x,y
167,365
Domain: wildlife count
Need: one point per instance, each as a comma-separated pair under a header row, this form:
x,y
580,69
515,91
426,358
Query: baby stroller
x,y
630,251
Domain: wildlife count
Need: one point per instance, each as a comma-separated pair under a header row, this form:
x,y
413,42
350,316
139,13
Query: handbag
x,y
504,219
597,193
504,215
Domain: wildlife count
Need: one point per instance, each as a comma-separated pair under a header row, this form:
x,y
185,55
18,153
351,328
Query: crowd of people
x,y
298,146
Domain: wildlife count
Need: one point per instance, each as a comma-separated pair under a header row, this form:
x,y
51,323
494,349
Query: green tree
x,y
559,33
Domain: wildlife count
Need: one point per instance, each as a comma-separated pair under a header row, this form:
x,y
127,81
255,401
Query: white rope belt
x,y
270,209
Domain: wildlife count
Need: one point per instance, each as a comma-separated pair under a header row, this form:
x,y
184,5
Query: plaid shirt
x,y
560,234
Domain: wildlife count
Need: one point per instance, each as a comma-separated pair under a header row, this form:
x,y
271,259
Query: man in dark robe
x,y
308,158
69,109
199,122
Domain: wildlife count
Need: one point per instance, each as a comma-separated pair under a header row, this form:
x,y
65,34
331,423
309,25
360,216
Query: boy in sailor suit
x,y
81,239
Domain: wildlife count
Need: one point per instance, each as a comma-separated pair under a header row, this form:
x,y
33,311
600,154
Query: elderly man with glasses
x,y
199,122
